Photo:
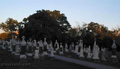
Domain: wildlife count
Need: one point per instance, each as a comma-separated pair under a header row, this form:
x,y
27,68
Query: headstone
x,y
40,47
103,54
89,53
36,56
45,51
23,57
29,51
94,45
73,47
76,48
79,47
61,49
34,45
113,56
66,47
96,53
81,50
56,46
17,53
52,52
49,46
13,47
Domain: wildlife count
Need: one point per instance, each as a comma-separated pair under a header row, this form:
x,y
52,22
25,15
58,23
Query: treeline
x,y
54,26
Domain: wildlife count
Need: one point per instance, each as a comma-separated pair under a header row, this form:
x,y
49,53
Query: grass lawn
x,y
43,64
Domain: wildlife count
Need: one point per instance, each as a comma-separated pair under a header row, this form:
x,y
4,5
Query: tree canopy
x,y
40,25
8,25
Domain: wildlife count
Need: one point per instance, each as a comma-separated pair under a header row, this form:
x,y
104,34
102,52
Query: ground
x,y
6,58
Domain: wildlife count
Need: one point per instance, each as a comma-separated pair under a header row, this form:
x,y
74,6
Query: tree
x,y
8,25
3,36
60,18
40,25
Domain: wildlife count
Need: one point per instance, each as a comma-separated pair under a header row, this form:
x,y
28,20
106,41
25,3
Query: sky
x,y
105,12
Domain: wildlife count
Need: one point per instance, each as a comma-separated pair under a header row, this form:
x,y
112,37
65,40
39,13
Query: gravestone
x,y
56,46
66,47
81,50
79,47
114,56
13,48
103,54
40,47
45,51
36,54
89,53
29,51
76,49
23,57
17,53
61,49
96,54
34,45
93,50
73,47
52,53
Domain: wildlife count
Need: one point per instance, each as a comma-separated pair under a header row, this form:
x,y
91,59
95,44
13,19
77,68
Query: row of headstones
x,y
23,50
43,48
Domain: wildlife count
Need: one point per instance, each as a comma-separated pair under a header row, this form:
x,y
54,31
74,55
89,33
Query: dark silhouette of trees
x,y
40,25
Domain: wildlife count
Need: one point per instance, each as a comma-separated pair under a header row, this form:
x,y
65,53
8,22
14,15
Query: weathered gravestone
x,y
23,57
36,54
66,47
45,51
61,49
89,53
76,49
17,53
103,54
29,51
96,54
81,50
113,56
56,47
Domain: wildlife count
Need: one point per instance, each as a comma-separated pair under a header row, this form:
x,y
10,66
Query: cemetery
x,y
46,40
32,51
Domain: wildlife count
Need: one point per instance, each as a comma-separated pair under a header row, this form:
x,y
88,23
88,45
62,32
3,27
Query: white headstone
x,y
66,47
76,48
52,52
103,54
36,56
96,52
23,48
89,52
73,50
81,50
45,45
56,46
61,49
